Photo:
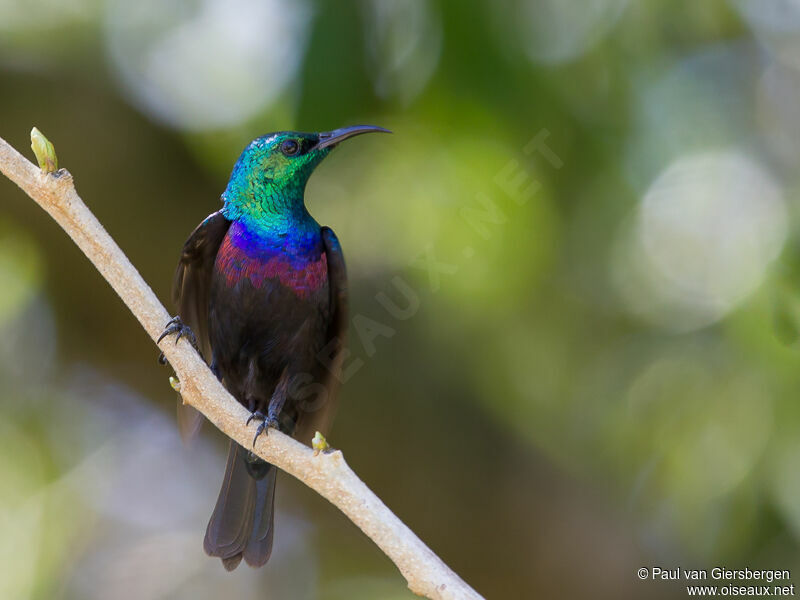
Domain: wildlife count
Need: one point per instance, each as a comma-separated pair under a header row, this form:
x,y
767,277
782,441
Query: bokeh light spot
x,y
404,40
702,239
558,31
206,64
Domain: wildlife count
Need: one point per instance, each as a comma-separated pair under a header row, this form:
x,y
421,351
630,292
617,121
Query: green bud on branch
x,y
319,443
44,151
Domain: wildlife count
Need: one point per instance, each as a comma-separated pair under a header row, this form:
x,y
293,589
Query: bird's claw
x,y
175,325
256,414
266,423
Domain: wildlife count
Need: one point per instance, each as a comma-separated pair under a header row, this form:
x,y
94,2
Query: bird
x,y
261,291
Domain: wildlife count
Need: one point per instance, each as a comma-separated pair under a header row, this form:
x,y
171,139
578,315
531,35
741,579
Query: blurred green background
x,y
586,221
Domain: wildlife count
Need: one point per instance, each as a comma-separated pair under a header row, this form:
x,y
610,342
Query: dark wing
x,y
190,290
332,356
192,281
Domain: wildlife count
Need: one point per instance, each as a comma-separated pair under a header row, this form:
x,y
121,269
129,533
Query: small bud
x,y
319,443
44,151
175,384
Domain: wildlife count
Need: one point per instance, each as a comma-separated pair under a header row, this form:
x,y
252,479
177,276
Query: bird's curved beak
x,y
328,139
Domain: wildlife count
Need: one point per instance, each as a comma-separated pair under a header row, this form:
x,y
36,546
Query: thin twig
x,y
326,473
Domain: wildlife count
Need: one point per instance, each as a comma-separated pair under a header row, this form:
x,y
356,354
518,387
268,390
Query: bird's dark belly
x,y
261,329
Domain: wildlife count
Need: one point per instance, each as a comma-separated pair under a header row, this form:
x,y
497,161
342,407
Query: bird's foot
x,y
175,325
266,422
256,414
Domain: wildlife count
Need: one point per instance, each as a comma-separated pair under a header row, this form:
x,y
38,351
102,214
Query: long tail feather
x,y
259,546
242,522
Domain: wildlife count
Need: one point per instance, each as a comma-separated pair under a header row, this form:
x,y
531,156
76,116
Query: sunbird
x,y
261,290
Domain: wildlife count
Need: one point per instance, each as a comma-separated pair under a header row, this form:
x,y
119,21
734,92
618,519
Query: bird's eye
x,y
289,147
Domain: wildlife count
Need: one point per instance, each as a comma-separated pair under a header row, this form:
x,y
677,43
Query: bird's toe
x,y
176,326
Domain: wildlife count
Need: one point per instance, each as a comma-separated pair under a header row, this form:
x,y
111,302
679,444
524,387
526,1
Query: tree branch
x,y
326,473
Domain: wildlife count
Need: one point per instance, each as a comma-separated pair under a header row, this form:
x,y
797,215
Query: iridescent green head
x,y
270,176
